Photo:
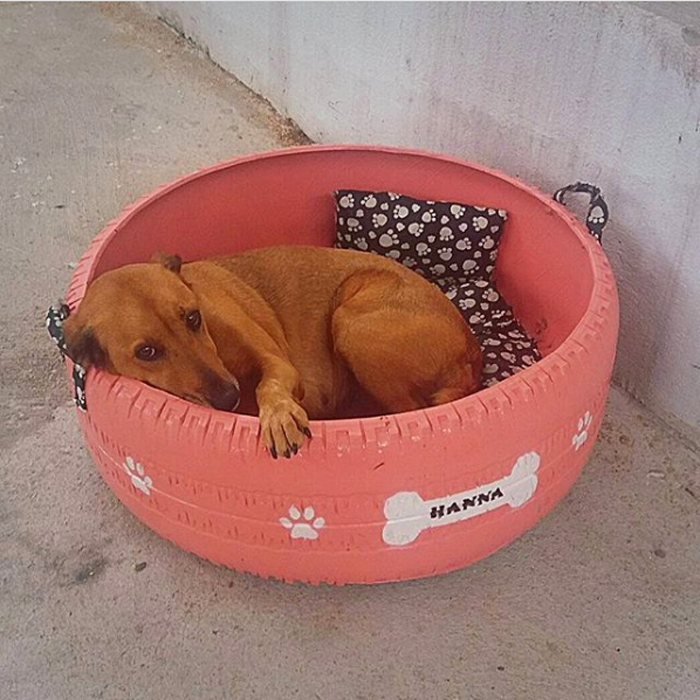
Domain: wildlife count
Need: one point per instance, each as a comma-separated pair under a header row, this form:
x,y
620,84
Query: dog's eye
x,y
147,353
193,320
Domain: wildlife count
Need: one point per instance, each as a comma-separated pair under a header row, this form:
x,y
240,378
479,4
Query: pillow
x,y
507,350
446,242
453,245
481,304
506,346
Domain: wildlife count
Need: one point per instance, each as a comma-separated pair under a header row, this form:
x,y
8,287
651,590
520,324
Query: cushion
x,y
453,245
506,346
446,242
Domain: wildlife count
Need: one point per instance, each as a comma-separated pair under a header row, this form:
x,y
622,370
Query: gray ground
x,y
601,600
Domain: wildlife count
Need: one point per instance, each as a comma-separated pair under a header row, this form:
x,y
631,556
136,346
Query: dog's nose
x,y
224,396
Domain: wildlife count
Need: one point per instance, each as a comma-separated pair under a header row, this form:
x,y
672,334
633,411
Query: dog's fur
x,y
298,327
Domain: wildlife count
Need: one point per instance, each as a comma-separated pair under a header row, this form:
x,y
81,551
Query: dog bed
x,y
373,499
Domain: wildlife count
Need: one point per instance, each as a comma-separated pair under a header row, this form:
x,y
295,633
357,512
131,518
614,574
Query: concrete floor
x,y
601,600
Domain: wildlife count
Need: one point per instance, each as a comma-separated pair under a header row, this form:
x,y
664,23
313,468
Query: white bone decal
x,y
407,514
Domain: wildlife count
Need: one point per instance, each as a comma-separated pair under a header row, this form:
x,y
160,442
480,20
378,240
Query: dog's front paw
x,y
283,427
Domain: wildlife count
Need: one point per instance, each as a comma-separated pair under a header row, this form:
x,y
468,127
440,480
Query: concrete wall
x,y
606,93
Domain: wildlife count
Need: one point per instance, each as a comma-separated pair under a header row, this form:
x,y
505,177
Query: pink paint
x,y
450,484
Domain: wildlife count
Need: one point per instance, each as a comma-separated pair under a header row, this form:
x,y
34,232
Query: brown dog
x,y
299,327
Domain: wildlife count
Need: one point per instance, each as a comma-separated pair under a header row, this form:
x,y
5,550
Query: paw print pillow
x,y
507,348
453,245
446,242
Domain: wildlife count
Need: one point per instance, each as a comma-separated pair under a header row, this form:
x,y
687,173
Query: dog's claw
x,y
306,432
280,428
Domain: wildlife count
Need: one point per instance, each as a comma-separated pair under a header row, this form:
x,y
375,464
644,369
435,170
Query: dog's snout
x,y
224,395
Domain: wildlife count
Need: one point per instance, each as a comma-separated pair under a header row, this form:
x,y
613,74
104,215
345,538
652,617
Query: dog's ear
x,y
82,344
169,262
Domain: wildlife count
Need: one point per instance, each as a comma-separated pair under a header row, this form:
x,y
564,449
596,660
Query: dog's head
x,y
143,321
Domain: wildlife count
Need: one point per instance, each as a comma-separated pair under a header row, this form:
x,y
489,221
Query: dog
x,y
298,328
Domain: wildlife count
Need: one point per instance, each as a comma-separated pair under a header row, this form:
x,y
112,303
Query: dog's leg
x,y
256,349
283,422
406,352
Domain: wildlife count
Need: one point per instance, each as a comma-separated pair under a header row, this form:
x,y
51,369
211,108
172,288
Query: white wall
x,y
606,93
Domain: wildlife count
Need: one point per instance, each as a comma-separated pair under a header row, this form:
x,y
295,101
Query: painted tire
x,y
374,499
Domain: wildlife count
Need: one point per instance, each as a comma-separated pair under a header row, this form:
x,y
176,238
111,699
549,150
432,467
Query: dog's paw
x,y
283,427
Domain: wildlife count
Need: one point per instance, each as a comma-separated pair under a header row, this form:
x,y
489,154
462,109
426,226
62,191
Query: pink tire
x,y
375,499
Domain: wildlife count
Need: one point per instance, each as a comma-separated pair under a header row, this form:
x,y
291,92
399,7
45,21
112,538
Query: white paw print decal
x,y
463,244
596,215
353,224
423,249
456,210
361,243
437,270
401,212
466,304
138,477
487,243
446,234
386,240
302,526
445,253
582,430
347,201
410,262
480,222
415,228
379,219
428,216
